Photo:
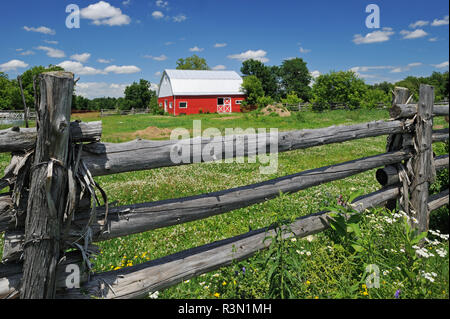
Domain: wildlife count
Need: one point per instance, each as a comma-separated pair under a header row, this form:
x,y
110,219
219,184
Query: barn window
x,y
239,102
220,101
170,104
183,105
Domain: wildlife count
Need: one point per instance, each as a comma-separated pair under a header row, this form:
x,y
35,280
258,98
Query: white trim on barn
x,y
199,82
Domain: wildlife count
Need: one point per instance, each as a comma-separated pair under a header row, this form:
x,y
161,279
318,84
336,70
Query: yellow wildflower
x,y
316,297
217,295
308,282
224,283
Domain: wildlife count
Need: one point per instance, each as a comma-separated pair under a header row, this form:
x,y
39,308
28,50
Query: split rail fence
x,y
52,204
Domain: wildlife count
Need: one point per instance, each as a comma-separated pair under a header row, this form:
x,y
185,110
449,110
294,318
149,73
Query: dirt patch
x,y
151,132
281,111
227,118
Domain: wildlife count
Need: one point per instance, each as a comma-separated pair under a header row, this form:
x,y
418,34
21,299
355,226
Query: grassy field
x,y
327,268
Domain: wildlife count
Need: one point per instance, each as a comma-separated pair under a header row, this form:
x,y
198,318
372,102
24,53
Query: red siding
x,y
195,104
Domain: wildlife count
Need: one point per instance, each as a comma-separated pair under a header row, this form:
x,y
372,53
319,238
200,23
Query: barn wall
x,y
197,104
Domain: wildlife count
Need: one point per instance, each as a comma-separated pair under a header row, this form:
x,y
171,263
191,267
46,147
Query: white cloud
x,y
303,50
374,37
418,33
126,3
52,52
162,57
81,57
433,39
259,55
196,49
51,42
420,23
41,29
158,73
28,52
102,13
169,43
437,22
441,65
405,68
124,69
104,61
179,18
220,45
219,67
162,4
92,90
157,15
12,65
358,69
79,68
315,74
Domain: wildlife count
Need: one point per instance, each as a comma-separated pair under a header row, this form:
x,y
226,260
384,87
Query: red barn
x,y
193,92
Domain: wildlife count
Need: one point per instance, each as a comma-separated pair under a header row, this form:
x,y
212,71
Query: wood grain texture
x,y
423,172
48,189
138,281
409,110
438,200
23,139
110,158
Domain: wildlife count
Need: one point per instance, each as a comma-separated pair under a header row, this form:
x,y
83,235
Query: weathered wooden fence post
x,y
423,162
395,141
25,108
48,189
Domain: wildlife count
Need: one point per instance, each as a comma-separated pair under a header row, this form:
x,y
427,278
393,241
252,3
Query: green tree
x,y
252,88
343,87
295,77
192,63
139,94
267,75
292,99
374,98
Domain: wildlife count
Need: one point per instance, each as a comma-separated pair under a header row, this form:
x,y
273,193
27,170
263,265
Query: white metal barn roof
x,y
196,82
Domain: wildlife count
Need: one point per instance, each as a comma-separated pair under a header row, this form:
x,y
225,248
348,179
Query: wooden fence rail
x,y
409,146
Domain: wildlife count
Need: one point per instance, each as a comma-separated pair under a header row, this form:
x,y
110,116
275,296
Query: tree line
x,y
292,83
289,83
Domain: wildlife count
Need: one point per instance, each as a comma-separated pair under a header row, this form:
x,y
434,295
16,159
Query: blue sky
x,y
121,41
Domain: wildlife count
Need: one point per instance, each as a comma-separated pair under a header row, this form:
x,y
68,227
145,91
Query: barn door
x,y
225,106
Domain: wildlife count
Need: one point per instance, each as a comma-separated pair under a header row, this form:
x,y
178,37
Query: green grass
x,y
334,274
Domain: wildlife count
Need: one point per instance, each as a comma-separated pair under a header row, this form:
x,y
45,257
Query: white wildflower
x,y
153,295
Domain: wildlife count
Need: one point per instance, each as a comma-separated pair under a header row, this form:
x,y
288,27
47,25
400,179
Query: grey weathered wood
x,y
25,108
48,187
131,219
440,135
138,281
401,110
13,246
21,139
422,168
438,200
110,158
389,175
136,218
397,141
